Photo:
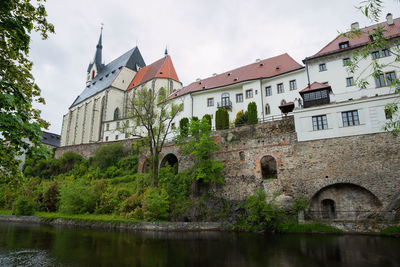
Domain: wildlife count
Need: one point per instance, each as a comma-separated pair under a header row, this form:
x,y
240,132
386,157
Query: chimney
x,y
389,19
355,26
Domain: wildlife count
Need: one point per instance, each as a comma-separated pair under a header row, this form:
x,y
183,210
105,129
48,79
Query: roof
x,y
51,139
287,104
315,86
266,68
333,47
109,72
162,68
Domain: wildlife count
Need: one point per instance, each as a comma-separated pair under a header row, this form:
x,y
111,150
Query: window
x,y
350,118
349,81
388,114
346,61
210,102
343,45
267,109
116,137
283,102
319,122
116,114
279,88
292,84
118,125
225,102
127,123
239,98
268,91
249,93
380,80
322,67
92,75
107,127
375,55
173,125
106,138
390,76
385,52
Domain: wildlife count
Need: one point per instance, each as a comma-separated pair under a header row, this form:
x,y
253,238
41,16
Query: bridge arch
x,y
172,160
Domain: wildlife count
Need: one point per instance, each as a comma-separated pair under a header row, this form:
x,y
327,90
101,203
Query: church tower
x,y
96,65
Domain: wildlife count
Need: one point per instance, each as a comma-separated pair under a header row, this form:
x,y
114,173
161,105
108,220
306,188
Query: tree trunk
x,y
155,161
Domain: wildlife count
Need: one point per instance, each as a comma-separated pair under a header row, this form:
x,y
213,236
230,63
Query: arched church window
x,y
92,74
283,102
267,109
116,114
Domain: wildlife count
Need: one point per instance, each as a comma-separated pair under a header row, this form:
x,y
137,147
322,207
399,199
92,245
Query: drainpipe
x,y
308,74
262,100
191,98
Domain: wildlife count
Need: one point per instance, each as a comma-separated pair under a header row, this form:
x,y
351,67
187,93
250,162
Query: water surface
x,y
36,245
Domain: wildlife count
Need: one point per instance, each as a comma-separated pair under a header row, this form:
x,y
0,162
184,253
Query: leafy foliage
x,y
202,147
208,118
155,204
183,126
241,118
252,113
107,155
20,123
23,205
221,119
77,198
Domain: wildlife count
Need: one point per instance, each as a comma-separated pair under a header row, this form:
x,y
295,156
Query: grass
x,y
308,228
391,230
5,212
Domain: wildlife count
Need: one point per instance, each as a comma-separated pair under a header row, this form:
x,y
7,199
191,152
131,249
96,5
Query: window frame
x,y
267,109
345,61
268,89
322,67
387,76
350,118
241,100
376,54
385,53
210,102
294,87
380,81
351,83
278,87
344,45
319,122
249,95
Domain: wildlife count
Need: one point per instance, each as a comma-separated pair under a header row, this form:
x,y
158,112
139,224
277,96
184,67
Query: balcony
x,y
225,104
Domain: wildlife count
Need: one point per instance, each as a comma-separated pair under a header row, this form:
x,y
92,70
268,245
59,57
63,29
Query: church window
x,y
92,74
267,109
118,125
116,114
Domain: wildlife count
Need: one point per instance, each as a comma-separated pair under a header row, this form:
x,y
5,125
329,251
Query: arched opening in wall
x,y
146,166
171,160
283,102
345,201
328,209
116,114
268,167
267,109
394,210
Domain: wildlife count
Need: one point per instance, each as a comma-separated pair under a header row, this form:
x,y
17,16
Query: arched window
x,y
225,100
283,102
268,167
116,114
267,109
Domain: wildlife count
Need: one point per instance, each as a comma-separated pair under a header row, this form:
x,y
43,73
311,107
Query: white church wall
x,y
124,78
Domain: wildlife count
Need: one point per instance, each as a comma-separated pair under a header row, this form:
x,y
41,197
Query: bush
x,y
208,118
107,156
194,118
131,203
221,119
252,113
183,126
78,198
51,197
241,118
155,204
23,205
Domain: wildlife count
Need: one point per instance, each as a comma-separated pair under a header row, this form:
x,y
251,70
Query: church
x,y
321,95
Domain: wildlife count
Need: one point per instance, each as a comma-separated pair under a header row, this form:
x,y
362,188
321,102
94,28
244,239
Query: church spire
x,y
99,47
166,51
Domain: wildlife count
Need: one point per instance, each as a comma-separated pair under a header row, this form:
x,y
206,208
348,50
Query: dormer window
x,y
344,45
92,74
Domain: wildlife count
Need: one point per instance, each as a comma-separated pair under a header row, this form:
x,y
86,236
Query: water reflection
x,y
30,245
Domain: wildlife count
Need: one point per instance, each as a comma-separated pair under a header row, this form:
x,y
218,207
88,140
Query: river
x,y
38,245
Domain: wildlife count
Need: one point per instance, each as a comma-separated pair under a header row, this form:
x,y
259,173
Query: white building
x,y
324,99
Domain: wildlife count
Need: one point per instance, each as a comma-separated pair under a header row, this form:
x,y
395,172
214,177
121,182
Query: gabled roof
x,y
266,68
109,72
364,38
315,86
162,68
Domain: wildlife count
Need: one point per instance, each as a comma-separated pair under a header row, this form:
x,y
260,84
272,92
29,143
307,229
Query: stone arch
x,y
171,160
269,167
344,201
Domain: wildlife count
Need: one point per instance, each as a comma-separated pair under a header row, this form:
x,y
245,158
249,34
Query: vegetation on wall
x,y
183,126
221,119
252,113
208,118
241,118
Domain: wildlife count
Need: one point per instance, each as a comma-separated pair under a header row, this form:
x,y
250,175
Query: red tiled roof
x,y
333,47
287,104
162,68
315,86
263,69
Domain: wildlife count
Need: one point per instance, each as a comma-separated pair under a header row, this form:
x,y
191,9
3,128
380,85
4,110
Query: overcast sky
x,y
203,37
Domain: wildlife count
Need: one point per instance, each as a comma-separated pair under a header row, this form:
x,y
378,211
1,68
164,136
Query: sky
x,y
203,37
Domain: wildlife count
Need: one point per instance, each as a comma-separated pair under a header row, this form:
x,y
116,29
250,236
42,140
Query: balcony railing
x,y
224,104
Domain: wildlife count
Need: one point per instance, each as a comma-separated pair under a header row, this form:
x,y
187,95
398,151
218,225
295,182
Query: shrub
x,y
51,197
155,204
221,119
194,118
241,118
208,118
107,155
67,162
131,203
23,205
183,126
77,198
252,113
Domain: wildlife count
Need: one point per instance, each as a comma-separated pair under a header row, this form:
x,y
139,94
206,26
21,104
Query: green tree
x,y
20,123
221,119
154,115
202,147
183,124
372,9
252,113
208,118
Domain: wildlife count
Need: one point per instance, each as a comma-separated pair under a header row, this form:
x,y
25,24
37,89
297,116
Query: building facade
x,y
322,96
